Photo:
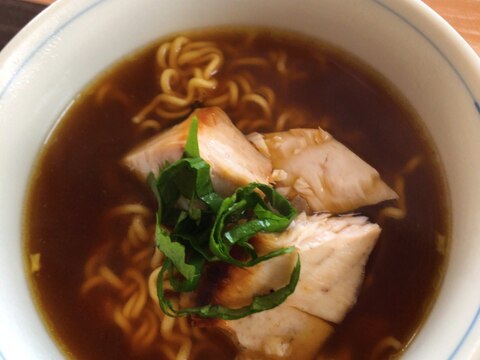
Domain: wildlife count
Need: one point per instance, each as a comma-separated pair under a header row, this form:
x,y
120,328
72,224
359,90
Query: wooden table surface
x,y
463,15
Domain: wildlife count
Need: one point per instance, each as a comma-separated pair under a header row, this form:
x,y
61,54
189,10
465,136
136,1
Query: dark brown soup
x,y
90,222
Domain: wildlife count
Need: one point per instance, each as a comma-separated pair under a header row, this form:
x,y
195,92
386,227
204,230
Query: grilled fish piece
x,y
281,333
310,165
233,160
333,252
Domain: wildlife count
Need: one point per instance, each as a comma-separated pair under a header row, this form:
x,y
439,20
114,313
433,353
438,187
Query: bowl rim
x,y
460,56
429,20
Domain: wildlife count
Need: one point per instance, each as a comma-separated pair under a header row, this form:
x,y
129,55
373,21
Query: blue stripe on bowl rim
x,y
476,102
90,7
465,335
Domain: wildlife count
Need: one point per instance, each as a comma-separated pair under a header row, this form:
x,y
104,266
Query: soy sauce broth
x,y
78,177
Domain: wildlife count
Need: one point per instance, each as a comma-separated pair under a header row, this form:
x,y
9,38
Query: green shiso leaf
x,y
195,226
274,216
191,147
175,252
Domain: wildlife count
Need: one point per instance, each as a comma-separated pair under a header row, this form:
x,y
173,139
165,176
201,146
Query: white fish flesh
x,y
333,252
233,160
280,333
311,166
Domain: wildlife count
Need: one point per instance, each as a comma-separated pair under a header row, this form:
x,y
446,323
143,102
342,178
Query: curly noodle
x,y
188,73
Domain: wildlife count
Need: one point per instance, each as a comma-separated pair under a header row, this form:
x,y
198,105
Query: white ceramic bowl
x,y
65,47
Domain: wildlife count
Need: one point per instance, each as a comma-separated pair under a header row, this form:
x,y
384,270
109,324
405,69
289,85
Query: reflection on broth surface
x,y
90,223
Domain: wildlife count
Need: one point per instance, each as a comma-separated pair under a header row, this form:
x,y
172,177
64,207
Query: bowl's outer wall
x,y
61,51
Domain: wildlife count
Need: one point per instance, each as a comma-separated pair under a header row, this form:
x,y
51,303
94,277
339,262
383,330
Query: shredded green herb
x,y
210,228
259,303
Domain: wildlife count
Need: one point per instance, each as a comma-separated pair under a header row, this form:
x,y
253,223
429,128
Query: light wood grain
x,y
463,15
44,2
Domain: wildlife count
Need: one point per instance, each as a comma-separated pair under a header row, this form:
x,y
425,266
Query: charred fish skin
x,y
308,166
333,251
